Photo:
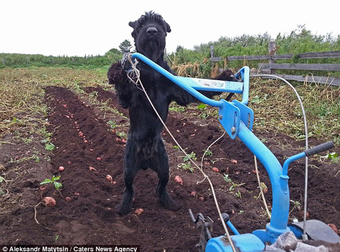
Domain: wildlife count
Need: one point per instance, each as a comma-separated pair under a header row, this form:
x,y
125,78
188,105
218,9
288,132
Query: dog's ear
x,y
132,24
167,26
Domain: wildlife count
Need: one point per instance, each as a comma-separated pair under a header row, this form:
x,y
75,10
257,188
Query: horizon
x,y
193,48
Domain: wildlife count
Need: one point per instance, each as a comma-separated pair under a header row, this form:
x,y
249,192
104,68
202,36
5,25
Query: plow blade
x,y
316,230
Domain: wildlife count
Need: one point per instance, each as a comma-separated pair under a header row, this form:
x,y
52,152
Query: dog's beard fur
x,y
152,47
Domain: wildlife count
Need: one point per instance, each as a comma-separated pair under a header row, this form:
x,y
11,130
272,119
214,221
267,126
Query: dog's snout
x,y
152,31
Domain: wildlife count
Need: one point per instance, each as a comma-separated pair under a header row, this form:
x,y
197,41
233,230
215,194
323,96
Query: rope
x,y
202,159
261,190
304,236
134,76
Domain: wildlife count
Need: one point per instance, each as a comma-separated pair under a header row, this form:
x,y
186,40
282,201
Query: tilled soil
x,y
89,150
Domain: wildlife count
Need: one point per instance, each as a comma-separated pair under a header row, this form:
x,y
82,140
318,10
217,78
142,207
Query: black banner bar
x,y
75,248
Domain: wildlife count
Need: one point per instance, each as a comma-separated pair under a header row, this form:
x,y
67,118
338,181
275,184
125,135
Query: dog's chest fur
x,y
144,123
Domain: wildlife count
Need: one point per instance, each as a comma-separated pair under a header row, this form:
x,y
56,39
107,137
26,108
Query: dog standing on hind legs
x,y
145,148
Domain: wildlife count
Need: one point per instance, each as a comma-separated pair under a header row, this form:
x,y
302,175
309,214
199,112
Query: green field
x,y
23,77
274,103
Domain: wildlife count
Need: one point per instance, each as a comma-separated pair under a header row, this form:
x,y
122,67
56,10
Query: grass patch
x,y
274,103
276,107
22,94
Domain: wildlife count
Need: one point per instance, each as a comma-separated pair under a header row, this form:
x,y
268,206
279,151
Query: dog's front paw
x,y
226,75
115,74
125,62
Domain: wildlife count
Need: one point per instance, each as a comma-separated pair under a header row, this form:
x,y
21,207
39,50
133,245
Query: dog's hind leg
x,y
130,170
126,204
161,166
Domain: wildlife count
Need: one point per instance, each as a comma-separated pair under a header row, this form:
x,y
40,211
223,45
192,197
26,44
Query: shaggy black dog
x,y
145,147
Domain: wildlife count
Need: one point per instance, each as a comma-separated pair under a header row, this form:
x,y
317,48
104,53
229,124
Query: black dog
x,y
144,147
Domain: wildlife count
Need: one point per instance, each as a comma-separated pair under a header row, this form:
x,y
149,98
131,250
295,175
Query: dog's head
x,y
149,33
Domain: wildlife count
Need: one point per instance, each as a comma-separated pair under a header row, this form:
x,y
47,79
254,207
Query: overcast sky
x,y
82,27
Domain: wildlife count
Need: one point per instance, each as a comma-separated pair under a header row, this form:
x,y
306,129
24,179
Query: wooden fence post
x,y
212,51
214,63
212,55
272,51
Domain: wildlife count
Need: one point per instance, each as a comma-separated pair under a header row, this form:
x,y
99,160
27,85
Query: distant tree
x,y
113,55
125,46
179,49
114,51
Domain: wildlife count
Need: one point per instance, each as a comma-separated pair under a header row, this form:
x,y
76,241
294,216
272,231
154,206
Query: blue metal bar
x,y
244,72
232,227
174,79
289,160
280,204
312,151
213,85
187,84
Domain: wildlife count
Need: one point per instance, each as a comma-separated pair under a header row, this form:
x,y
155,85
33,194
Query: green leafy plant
x,y
112,124
226,178
192,156
208,153
202,106
233,185
121,134
49,146
176,108
334,157
54,181
2,179
204,113
296,204
238,194
187,164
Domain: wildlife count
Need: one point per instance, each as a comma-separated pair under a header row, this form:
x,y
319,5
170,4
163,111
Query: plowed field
x,y
89,144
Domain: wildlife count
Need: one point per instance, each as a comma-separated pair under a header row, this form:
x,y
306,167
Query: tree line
x,y
298,41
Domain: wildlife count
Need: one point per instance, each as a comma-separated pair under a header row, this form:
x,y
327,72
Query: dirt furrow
x,y
89,150
231,157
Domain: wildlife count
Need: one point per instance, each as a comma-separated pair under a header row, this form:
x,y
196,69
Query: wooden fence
x,y
270,66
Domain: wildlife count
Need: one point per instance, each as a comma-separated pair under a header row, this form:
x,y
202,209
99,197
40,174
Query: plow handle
x,y
319,148
306,153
